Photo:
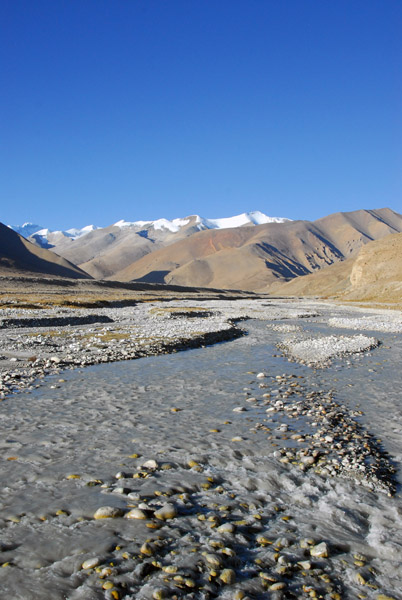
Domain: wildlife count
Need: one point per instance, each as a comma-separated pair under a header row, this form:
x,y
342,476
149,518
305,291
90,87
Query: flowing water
x,y
63,444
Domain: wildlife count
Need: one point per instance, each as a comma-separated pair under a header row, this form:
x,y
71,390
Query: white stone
x,y
108,512
136,513
320,550
90,563
168,511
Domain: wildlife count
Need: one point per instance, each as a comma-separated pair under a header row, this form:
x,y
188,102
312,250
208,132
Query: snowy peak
x,y
245,219
26,229
41,235
159,229
77,233
174,226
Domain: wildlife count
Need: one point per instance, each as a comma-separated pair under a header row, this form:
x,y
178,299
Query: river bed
x,y
240,463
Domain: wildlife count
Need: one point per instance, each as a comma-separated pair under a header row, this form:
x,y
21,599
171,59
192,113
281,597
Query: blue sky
x,y
140,109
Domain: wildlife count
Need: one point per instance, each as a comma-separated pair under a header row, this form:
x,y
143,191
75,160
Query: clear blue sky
x,y
139,109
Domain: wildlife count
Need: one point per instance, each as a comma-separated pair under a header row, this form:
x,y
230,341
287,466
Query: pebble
x,y
280,585
136,513
150,464
226,528
214,560
147,549
168,511
90,563
320,550
228,576
108,512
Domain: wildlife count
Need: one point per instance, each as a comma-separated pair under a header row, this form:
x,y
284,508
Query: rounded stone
x,y
90,563
147,549
280,585
150,464
108,512
228,576
213,560
168,511
226,528
136,513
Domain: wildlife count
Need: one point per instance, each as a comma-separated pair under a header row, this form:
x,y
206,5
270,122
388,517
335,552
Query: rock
x,y
150,464
261,375
239,409
307,460
305,565
168,511
280,585
226,528
147,549
213,560
112,594
228,576
108,512
263,541
136,513
170,569
320,550
90,563
108,585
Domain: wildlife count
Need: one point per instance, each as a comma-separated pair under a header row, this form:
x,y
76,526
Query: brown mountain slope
x,y
105,251
254,258
374,275
18,256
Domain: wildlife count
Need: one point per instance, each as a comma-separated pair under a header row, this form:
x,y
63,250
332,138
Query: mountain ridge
x,y
254,258
244,219
250,251
373,275
20,256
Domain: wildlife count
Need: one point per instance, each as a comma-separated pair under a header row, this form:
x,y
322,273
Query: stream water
x,y
63,444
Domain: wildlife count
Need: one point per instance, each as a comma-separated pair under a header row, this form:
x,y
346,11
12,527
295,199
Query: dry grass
x,y
39,301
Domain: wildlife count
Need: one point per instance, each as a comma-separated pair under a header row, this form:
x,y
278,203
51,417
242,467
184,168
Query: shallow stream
x,y
109,419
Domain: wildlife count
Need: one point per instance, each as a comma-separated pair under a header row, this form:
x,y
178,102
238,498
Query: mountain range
x,y
248,252
104,252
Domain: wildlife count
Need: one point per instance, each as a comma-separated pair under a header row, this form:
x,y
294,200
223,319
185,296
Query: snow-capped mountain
x,y
26,229
104,251
42,234
48,238
159,225
245,219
